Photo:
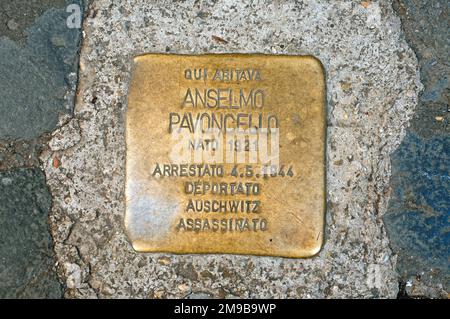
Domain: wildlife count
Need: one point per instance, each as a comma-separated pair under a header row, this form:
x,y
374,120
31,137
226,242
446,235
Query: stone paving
x,y
62,153
38,77
417,217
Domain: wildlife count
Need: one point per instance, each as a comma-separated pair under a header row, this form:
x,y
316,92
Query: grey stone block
x,y
27,261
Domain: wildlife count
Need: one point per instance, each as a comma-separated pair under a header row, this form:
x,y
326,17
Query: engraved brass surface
x,y
254,180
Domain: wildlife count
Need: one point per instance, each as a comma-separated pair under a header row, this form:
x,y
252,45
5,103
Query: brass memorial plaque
x,y
226,154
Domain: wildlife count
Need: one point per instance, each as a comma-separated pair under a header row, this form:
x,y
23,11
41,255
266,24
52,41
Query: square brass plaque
x,y
226,154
